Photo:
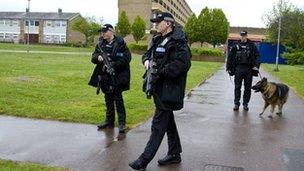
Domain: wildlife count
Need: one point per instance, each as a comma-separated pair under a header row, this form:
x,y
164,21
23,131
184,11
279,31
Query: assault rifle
x,y
106,67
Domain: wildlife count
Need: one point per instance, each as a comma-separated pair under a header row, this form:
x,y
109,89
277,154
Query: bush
x,y
207,52
294,58
195,51
137,47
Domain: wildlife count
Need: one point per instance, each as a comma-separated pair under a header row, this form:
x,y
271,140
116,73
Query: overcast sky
x,y
239,12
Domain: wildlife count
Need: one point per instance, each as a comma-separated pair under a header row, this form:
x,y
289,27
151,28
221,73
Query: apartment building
x,y
147,9
39,27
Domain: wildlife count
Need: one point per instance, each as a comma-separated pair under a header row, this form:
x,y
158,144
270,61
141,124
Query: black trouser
x,y
111,98
163,121
242,72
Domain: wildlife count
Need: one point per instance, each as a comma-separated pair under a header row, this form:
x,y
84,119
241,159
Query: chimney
x,y
59,10
27,10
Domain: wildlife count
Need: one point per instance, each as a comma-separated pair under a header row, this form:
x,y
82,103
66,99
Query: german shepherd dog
x,y
273,94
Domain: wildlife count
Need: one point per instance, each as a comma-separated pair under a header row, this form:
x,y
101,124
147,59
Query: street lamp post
x,y
279,35
28,26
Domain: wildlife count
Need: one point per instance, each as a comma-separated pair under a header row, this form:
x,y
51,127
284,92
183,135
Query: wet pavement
x,y
213,136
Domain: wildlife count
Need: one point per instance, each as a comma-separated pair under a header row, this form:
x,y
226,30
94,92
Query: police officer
x,y
172,56
243,63
112,85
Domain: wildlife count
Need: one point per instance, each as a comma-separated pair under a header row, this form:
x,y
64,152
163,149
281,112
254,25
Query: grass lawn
x,y
54,87
41,47
291,75
6,165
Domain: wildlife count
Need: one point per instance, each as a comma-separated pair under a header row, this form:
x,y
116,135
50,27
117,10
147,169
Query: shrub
x,y
137,47
195,51
207,52
294,58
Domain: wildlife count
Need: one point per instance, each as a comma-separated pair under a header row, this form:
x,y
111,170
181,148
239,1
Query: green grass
x,y
293,76
7,165
41,47
54,87
200,71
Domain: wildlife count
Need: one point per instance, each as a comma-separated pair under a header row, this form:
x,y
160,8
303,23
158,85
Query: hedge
x,y
294,58
195,51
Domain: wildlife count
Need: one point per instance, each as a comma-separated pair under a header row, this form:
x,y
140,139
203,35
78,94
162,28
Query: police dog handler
x,y
243,63
112,54
172,55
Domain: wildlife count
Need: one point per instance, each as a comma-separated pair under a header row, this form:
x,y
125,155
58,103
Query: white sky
x,y
239,12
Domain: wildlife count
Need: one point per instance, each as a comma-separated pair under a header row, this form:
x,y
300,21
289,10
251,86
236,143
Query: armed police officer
x,y
169,54
243,63
111,75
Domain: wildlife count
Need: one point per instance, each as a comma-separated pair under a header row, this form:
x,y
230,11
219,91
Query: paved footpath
x,y
213,137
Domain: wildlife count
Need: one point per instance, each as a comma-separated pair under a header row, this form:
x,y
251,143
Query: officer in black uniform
x,y
112,85
172,56
243,63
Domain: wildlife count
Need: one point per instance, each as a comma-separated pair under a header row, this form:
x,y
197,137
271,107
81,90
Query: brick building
x,y
146,9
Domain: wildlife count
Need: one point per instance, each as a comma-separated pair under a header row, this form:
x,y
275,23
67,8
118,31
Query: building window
x,y
1,35
15,23
62,38
1,22
48,23
36,23
57,23
7,36
56,39
47,39
63,23
32,23
15,36
7,22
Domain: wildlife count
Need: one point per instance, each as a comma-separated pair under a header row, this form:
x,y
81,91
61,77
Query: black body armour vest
x,y
108,48
161,50
243,54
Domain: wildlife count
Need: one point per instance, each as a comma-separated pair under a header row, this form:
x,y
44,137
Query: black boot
x,y
138,164
122,128
245,107
105,125
170,159
236,107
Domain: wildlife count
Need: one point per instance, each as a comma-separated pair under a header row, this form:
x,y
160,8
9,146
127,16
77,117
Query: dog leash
x,y
260,75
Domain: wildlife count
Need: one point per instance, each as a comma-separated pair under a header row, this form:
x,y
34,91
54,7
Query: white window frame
x,y
48,23
32,23
15,23
63,23
57,23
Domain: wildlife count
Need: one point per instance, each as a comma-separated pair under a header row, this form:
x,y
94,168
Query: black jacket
x,y
170,87
121,58
253,53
